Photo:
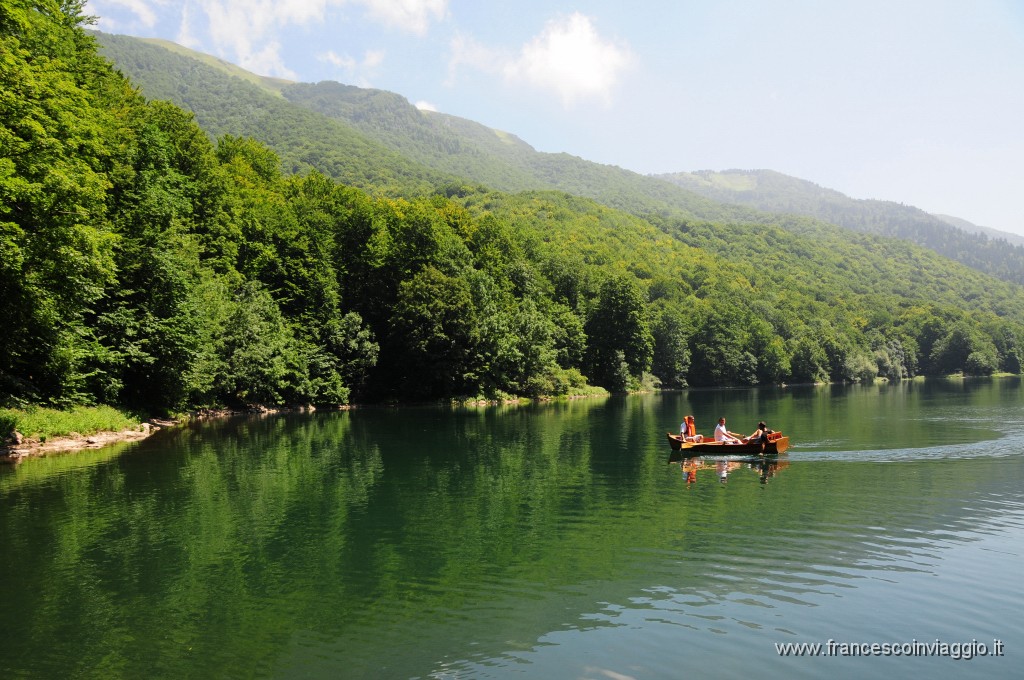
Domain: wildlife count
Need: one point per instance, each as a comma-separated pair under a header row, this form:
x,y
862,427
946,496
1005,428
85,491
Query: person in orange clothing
x,y
688,431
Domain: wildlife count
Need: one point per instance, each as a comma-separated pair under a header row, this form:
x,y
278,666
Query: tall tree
x,y
56,245
618,331
432,343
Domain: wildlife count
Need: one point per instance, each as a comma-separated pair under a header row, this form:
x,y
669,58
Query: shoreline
x,y
14,453
34,448
30,447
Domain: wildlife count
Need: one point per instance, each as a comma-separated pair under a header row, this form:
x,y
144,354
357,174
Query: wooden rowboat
x,y
777,443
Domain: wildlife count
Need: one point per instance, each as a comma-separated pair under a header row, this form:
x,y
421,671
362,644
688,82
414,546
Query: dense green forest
x,y
148,262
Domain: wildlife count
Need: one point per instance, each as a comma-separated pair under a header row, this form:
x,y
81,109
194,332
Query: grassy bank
x,y
43,423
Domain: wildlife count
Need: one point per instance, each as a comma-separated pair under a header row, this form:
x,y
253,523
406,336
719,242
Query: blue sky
x,y
916,101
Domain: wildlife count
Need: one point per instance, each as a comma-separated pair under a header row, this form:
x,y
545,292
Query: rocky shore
x,y
17,447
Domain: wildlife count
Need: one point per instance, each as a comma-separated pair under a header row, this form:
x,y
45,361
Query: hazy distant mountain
x,y
987,250
975,229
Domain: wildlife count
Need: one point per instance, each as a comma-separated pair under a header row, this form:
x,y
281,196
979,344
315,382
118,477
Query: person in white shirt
x,y
723,435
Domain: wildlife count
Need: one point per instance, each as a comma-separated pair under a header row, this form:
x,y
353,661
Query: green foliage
x,y
777,193
433,336
671,359
893,360
141,264
862,368
718,351
8,422
261,361
56,134
808,362
965,349
42,423
620,342
227,105
341,358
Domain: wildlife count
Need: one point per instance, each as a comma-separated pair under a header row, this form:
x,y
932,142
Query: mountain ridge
x,y
188,82
968,226
997,253
459,150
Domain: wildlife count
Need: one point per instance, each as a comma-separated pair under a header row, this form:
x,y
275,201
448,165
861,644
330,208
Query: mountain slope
x,y
226,104
339,128
972,228
171,272
442,147
435,147
499,160
774,192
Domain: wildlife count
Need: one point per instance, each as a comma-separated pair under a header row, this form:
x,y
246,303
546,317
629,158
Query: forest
x,y
151,263
775,192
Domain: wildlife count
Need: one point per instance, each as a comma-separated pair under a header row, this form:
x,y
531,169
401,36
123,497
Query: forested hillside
x,y
448,145
734,305
964,225
224,103
148,262
453,146
774,192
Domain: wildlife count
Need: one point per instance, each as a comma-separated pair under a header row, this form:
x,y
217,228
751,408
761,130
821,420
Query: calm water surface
x,y
550,541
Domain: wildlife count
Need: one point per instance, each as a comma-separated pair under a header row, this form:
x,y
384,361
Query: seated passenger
x,y
688,431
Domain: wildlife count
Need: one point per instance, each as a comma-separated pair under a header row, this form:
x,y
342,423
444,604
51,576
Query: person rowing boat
x,y
723,435
760,435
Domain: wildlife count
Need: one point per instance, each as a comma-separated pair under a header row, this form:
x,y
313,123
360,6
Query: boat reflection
x,y
723,466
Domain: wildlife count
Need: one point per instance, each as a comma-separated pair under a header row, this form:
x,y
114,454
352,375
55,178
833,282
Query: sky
x,y
915,101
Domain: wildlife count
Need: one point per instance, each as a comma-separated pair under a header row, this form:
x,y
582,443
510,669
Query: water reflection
x,y
765,467
939,417
550,542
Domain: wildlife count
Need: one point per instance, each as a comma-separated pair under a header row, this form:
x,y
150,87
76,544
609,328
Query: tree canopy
x,y
148,263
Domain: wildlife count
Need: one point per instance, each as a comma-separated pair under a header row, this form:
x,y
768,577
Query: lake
x,y
546,541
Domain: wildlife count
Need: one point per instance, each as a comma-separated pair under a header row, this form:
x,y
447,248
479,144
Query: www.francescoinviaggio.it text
x,y
960,651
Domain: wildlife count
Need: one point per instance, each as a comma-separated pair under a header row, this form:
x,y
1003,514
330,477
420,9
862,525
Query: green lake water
x,y
549,541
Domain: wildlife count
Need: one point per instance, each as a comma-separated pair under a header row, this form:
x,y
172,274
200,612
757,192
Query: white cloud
x,y
373,58
570,59
244,31
143,10
267,61
357,71
467,51
425,106
185,36
344,62
247,31
409,15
